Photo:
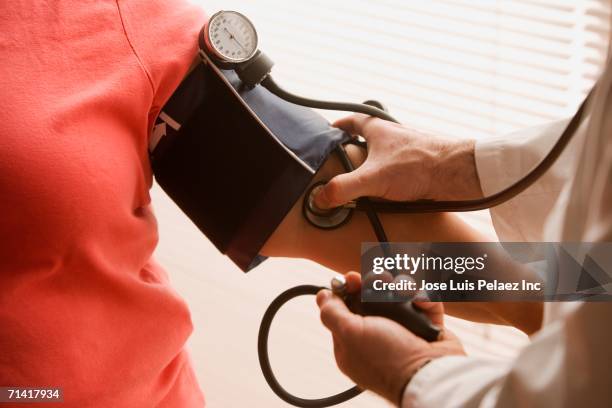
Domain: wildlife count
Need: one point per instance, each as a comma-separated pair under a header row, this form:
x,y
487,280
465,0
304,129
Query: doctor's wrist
x,y
415,369
454,175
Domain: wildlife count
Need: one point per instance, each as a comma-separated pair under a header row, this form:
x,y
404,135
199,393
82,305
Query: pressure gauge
x,y
230,38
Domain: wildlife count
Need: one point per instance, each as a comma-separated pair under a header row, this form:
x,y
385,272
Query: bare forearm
x,y
339,249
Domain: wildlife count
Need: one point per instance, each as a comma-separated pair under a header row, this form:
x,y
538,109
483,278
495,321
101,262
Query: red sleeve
x,y
164,36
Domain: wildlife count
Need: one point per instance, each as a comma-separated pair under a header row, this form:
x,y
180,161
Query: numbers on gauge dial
x,y
233,36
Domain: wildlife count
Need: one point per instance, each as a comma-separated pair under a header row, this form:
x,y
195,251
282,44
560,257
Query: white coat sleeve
x,y
567,364
455,381
502,161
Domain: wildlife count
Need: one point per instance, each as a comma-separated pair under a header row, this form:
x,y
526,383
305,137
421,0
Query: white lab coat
x,y
569,361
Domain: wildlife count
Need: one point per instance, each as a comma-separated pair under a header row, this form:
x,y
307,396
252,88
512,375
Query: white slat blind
x,y
464,68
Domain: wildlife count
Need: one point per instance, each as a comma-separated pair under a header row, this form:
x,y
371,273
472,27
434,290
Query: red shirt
x,y
82,304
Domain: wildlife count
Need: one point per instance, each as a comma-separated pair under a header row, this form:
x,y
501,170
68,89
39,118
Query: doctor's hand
x,y
377,353
404,165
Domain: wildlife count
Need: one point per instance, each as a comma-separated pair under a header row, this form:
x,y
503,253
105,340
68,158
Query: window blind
x,y
463,68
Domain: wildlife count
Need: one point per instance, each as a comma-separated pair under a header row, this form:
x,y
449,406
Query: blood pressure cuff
x,y
236,160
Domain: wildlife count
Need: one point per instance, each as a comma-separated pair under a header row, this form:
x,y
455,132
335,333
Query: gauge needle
x,y
233,37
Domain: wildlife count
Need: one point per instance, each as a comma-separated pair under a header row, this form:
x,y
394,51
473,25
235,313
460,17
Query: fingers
x,y
344,188
353,282
433,310
335,315
358,124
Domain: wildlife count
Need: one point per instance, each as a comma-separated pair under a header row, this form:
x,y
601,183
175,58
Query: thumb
x,y
343,188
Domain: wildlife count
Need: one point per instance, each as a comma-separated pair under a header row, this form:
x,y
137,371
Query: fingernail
x,y
323,296
321,200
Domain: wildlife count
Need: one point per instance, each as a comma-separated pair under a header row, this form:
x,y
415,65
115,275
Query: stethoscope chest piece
x,y
323,218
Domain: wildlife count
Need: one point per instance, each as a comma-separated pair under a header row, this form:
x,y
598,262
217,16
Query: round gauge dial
x,y
231,37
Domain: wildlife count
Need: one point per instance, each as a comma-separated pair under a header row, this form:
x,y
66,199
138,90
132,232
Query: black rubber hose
x,y
365,203
273,87
264,359
432,206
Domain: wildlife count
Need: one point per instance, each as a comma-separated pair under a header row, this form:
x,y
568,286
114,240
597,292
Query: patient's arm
x,y
339,249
